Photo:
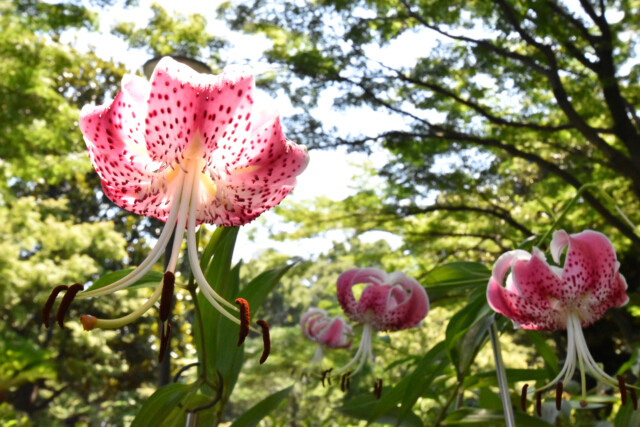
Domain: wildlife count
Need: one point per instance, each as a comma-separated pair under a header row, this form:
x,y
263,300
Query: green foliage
x,y
255,414
166,34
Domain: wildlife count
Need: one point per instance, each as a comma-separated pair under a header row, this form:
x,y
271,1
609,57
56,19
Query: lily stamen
x,y
151,258
559,395
539,403
245,320
623,390
48,305
345,381
523,397
266,340
325,374
168,283
165,335
377,388
69,295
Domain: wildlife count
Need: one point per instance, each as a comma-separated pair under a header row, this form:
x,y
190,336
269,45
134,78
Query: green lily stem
x,y
505,396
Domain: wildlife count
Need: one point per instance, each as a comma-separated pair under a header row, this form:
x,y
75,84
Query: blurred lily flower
x,y
388,302
326,331
188,148
540,296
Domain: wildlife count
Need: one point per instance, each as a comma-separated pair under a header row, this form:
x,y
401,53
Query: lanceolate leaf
x,y
254,415
455,279
410,388
467,331
544,349
161,406
257,289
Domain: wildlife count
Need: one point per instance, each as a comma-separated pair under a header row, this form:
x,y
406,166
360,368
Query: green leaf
x,y
467,331
410,388
544,349
161,406
257,289
486,417
216,238
360,407
263,408
455,279
627,416
151,278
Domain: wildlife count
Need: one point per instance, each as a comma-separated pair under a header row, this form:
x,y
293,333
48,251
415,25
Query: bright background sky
x,y
329,173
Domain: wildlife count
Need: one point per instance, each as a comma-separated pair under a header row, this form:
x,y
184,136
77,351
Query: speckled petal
x,y
408,303
251,175
350,278
115,140
524,314
591,270
183,103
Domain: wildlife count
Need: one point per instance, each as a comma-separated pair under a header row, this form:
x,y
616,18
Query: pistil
x,y
91,322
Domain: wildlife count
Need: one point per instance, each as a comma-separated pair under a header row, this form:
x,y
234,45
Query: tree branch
x,y
483,111
502,214
442,133
524,59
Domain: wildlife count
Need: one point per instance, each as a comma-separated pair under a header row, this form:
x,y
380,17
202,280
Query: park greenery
x,y
510,119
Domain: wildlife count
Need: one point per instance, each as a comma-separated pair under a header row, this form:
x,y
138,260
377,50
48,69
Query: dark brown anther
x,y
623,389
164,342
245,320
583,404
559,395
168,283
348,384
523,397
266,340
324,375
344,382
66,302
634,397
46,310
377,388
539,403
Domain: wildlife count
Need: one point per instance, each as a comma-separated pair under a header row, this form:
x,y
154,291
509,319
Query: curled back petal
x,y
337,334
350,278
410,303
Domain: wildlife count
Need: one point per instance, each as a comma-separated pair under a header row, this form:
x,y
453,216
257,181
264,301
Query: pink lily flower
x,y
540,296
326,331
188,149
389,302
